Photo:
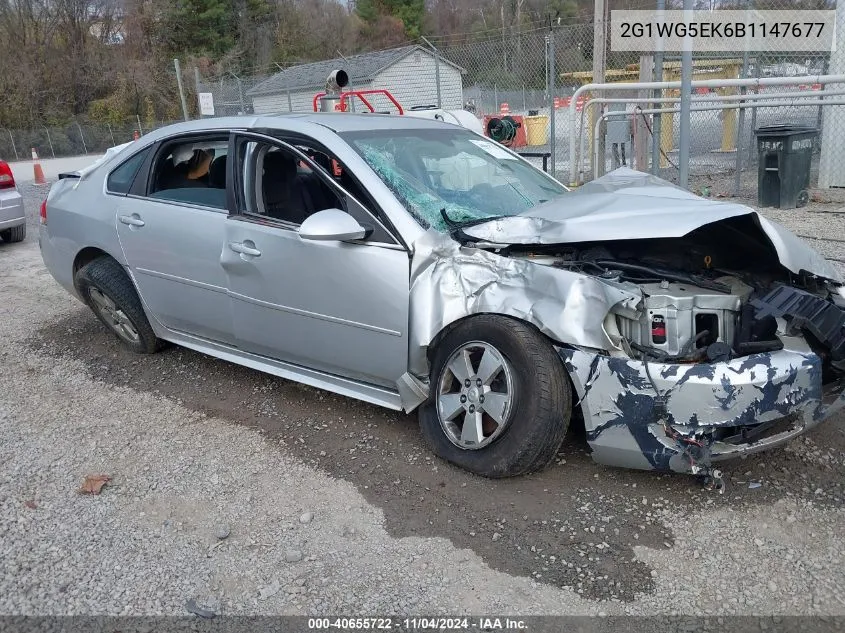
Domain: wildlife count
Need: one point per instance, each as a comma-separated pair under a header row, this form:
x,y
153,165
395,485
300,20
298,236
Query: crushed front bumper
x,y
684,417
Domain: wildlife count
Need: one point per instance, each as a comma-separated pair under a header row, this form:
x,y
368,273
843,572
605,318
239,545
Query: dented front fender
x,y
450,282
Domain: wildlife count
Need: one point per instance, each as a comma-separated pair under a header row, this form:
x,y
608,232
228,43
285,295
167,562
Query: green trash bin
x,y
783,173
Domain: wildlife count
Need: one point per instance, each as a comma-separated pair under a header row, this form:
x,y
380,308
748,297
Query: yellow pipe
x,y
728,125
667,124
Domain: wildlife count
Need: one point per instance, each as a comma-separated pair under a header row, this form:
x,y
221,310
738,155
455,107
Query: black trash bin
x,y
783,174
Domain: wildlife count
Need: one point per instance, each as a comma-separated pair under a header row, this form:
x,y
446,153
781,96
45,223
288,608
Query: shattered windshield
x,y
470,177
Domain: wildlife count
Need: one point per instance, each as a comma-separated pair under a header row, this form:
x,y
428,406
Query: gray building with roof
x,y
409,73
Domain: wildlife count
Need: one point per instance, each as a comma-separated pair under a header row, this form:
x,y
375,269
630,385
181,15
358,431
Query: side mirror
x,y
331,224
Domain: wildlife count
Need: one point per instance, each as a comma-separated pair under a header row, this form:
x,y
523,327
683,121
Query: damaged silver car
x,y
417,265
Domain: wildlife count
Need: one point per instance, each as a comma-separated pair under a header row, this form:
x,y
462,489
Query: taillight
x,y
44,212
7,180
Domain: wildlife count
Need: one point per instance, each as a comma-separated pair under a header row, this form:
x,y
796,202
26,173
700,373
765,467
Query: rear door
x,y
171,228
340,307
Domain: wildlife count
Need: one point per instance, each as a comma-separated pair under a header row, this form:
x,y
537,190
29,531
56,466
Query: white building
x,y
409,73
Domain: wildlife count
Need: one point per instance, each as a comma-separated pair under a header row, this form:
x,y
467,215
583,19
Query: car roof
x,y
349,122
303,122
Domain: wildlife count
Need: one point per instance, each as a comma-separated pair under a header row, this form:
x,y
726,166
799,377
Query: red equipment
x,y
343,107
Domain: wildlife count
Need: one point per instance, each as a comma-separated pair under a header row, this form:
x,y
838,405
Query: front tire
x,y
14,234
500,401
107,290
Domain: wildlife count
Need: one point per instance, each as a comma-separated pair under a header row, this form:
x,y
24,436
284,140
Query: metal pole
x,y
12,140
831,171
686,92
436,70
751,143
599,43
181,89
658,120
140,129
437,77
825,69
599,67
198,87
111,134
49,141
547,98
740,124
640,146
552,140
240,93
81,136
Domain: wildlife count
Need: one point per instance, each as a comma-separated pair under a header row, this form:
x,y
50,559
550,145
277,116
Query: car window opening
x,y
291,190
193,172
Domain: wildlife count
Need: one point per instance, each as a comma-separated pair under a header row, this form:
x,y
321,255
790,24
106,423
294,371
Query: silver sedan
x,y
12,215
415,264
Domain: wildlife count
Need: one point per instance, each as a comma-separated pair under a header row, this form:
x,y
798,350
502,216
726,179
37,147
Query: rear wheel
x,y
109,292
14,234
500,401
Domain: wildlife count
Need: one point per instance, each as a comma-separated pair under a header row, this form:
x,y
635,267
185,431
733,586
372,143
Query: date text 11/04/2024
x,y
417,624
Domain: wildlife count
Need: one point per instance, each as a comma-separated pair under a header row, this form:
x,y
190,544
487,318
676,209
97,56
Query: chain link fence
x,y
72,139
531,73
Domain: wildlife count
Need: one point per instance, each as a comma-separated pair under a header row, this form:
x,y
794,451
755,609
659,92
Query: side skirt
x,y
297,373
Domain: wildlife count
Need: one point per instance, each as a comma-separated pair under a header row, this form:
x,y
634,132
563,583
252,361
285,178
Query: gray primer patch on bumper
x,y
624,428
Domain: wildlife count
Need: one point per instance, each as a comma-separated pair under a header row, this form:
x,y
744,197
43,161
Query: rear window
x,y
192,171
120,180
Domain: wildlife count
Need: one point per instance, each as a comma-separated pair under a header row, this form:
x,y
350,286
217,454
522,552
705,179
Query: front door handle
x,y
131,220
245,248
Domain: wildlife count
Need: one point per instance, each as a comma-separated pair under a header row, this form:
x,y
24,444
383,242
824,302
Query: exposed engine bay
x,y
710,296
692,331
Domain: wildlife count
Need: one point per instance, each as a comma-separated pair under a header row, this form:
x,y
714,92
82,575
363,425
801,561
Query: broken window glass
x,y
471,177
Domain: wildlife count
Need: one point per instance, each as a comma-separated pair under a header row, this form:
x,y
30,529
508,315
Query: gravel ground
x,y
328,505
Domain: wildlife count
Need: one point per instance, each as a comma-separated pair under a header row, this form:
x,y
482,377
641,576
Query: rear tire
x,y
530,394
107,290
14,234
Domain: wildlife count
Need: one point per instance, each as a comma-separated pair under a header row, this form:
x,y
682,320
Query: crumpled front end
x,y
683,417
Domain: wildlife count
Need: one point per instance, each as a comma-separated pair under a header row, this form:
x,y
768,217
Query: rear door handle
x,y
131,220
245,248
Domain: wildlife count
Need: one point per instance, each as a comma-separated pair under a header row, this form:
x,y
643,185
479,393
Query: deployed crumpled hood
x,y
627,204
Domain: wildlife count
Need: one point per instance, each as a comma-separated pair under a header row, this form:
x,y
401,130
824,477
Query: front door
x,y
334,306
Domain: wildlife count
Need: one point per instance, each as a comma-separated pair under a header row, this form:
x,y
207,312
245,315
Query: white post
x,y
686,93
832,162
599,41
599,68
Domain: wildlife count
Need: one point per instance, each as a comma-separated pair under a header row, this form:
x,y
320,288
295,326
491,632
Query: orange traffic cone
x,y
36,169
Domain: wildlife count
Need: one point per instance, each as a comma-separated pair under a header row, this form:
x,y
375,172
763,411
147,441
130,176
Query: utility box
x,y
783,173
